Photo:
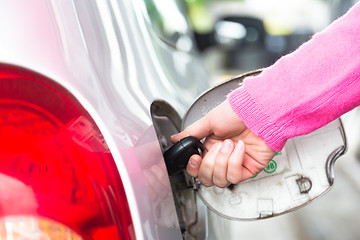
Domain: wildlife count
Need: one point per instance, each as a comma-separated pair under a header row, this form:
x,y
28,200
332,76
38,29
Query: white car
x,y
80,156
90,93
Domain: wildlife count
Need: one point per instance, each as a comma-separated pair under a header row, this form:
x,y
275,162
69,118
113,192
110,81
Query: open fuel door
x,y
300,173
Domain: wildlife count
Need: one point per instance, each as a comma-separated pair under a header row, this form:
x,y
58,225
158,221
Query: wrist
x,y
255,119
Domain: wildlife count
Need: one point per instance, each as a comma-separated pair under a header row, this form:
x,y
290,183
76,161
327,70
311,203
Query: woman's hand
x,y
232,152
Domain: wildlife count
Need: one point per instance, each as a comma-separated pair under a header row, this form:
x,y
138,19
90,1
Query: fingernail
x,y
241,144
194,163
173,138
217,147
226,146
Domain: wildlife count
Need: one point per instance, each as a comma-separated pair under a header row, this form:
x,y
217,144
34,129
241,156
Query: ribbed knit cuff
x,y
256,119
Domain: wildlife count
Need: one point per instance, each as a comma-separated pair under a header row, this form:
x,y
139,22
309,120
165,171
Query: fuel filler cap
x,y
301,172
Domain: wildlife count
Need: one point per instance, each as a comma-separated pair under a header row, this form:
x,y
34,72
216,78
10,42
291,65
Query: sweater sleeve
x,y
306,89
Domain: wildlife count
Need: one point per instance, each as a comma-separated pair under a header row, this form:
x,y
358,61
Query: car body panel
x,y
105,54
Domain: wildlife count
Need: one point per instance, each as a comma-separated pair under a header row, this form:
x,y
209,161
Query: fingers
x,y
235,164
221,122
193,165
221,166
199,129
207,165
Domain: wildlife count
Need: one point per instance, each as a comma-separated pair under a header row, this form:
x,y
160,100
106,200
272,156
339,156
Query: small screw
x,y
304,184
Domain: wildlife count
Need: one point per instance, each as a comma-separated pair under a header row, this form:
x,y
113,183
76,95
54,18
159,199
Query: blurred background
x,y
240,35
235,36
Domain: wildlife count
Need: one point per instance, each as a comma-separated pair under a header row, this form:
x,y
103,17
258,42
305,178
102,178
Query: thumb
x,y
198,129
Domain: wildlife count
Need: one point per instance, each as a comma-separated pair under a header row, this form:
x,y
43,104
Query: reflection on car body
x,y
103,63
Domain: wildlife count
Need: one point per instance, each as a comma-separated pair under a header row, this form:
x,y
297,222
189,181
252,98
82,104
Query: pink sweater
x,y
306,89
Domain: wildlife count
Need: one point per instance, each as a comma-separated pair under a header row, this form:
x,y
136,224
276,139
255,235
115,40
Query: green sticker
x,y
271,167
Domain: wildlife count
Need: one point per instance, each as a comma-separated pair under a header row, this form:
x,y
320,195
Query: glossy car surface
x,y
111,59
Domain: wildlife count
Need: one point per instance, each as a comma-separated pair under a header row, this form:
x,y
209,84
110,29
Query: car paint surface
x,y
106,55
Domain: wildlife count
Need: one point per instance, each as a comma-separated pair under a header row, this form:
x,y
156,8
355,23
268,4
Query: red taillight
x,y
55,163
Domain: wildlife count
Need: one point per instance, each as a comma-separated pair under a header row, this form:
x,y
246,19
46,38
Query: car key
x,y
177,156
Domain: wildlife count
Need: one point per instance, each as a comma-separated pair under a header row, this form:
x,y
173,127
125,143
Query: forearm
x,y
306,89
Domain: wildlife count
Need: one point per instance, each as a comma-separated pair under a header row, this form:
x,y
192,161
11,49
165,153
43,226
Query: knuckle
x,y
234,179
207,164
220,183
206,182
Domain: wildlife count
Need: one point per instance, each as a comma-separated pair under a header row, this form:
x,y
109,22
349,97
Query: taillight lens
x,y
55,165
24,228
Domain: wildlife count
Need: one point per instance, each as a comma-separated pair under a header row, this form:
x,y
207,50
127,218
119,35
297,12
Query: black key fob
x,y
178,155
